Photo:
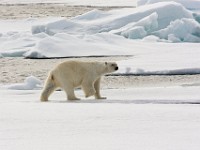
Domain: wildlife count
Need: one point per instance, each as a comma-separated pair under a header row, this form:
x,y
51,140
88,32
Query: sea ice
x,y
27,37
91,23
189,4
181,29
138,30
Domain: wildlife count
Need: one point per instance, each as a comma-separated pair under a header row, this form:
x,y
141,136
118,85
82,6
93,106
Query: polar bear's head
x,y
111,66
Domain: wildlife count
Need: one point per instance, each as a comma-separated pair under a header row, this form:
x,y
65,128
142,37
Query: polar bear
x,y
71,74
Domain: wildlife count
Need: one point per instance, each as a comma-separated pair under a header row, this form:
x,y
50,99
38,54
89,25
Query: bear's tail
x,y
49,87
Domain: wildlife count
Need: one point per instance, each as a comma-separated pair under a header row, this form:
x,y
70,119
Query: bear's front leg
x,y
97,88
69,90
88,88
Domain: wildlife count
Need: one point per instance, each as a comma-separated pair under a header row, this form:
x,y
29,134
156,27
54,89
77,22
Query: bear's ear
x,y
106,63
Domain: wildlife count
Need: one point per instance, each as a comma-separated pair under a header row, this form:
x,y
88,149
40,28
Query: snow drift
x,y
186,30
97,21
38,38
131,31
30,83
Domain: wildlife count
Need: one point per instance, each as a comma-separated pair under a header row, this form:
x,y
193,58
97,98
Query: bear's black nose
x,y
116,68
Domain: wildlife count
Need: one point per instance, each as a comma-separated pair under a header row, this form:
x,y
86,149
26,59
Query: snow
x,y
139,29
180,30
171,59
183,94
126,120
29,37
75,2
160,42
26,37
189,4
152,118
30,83
97,21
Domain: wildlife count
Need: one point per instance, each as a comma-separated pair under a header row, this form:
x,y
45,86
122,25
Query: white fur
x,y
71,74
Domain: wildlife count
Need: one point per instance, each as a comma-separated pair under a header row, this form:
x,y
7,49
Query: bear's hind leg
x,y
48,89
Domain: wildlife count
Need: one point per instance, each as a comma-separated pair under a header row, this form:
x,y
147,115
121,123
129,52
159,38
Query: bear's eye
x,y
113,65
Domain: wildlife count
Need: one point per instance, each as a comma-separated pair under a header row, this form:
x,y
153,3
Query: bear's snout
x,y
116,68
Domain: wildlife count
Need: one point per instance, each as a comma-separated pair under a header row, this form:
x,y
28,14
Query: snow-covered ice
x,y
175,30
162,59
161,117
183,94
178,25
76,2
159,42
147,33
160,38
126,120
189,4
97,21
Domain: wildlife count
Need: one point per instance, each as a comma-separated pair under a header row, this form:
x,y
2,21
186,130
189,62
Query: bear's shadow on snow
x,y
92,101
